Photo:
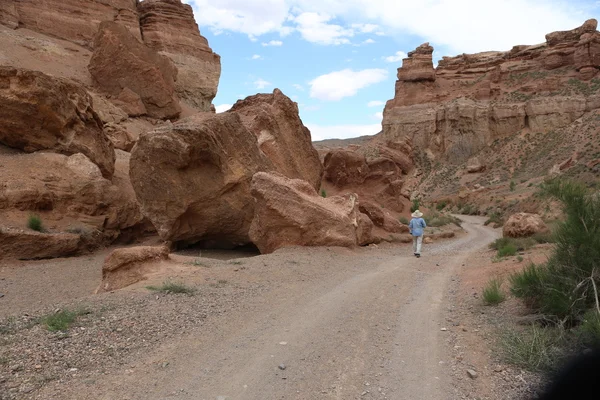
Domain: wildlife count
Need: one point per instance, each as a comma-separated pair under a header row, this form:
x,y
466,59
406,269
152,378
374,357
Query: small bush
x,y
492,293
535,349
513,186
34,222
441,205
403,220
62,320
506,251
436,220
590,328
527,283
520,243
173,287
416,203
323,193
520,259
494,218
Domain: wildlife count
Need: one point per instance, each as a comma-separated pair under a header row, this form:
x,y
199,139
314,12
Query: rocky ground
x,y
304,323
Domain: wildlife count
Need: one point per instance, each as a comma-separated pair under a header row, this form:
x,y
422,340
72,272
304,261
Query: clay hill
x,y
486,128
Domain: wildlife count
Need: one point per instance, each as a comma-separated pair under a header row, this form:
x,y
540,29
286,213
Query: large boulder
x,y
124,267
120,63
289,212
523,225
345,167
168,26
274,120
67,190
40,112
193,178
31,245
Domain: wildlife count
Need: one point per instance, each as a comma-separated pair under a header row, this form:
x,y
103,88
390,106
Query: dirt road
x,y
375,333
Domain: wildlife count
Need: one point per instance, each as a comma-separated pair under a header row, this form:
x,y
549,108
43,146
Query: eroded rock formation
x,y
73,20
289,212
193,177
468,101
168,26
274,120
523,225
40,112
124,67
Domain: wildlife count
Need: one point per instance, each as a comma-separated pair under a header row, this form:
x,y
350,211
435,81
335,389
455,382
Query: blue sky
x,y
338,58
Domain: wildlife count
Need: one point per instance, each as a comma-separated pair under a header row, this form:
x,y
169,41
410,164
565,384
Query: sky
x,y
338,59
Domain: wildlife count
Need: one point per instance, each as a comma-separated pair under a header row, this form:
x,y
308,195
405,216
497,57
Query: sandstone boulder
x,y
274,120
344,167
475,166
192,178
67,189
169,27
124,267
120,63
30,245
40,112
364,231
523,225
119,137
289,212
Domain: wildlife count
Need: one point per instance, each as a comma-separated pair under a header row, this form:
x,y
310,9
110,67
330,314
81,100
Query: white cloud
x,y
345,83
223,107
315,28
321,132
365,28
375,103
458,25
369,41
273,43
399,56
261,83
378,115
256,57
298,87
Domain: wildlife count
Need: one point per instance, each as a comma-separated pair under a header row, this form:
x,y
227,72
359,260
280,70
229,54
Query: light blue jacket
x,y
416,226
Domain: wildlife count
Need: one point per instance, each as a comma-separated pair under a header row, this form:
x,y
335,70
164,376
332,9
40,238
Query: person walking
x,y
416,226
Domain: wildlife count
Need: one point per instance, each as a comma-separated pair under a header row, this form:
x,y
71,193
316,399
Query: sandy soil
x,y
326,323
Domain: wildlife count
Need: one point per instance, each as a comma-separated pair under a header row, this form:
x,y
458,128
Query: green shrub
x,y
508,250
34,222
565,289
590,328
494,218
441,205
513,185
535,349
403,220
492,293
62,320
323,193
415,205
436,220
173,287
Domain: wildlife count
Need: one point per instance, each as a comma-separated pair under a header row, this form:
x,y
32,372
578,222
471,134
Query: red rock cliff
x,y
168,26
458,108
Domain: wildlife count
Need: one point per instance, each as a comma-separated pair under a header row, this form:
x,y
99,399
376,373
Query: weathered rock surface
x,y
523,225
343,167
119,137
193,178
274,120
73,20
289,212
124,267
69,189
30,245
381,218
474,166
469,101
169,27
40,112
120,64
